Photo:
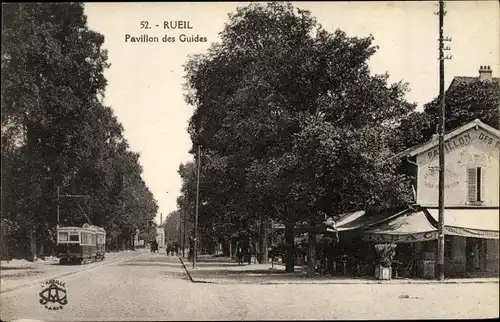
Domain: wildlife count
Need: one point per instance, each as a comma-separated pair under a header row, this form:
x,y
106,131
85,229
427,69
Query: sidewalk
x,y
223,270
21,273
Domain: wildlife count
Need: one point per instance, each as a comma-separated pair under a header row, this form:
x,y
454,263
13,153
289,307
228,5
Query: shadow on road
x,y
213,268
3,268
150,264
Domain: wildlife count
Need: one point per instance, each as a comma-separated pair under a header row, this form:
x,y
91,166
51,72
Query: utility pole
x,y
442,57
58,191
196,212
184,234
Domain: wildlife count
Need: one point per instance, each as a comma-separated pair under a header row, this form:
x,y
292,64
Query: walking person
x,y
239,254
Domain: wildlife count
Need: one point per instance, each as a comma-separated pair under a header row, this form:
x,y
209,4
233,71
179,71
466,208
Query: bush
x,y
385,254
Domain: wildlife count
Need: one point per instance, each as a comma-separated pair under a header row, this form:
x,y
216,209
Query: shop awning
x,y
361,219
408,226
470,222
344,218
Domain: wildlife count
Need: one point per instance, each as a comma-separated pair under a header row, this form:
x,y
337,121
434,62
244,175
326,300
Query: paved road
x,y
155,287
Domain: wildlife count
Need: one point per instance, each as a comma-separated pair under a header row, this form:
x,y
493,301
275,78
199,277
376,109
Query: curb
x,y
187,271
28,284
339,282
226,282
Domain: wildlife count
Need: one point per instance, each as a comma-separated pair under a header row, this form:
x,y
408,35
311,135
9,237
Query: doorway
x,y
473,254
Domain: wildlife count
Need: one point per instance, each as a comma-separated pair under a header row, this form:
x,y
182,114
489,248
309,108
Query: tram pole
x,y
58,189
196,211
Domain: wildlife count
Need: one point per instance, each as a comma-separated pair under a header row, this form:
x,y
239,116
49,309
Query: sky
x,y
145,80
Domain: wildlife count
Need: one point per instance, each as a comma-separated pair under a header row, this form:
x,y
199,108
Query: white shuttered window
x,y
475,184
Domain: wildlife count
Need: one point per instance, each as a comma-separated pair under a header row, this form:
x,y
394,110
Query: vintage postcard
x,y
170,161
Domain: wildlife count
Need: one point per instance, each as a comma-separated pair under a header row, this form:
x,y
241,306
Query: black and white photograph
x,y
209,161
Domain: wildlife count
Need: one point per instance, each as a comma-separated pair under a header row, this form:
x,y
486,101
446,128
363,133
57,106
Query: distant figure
x,y
154,246
249,255
239,254
191,249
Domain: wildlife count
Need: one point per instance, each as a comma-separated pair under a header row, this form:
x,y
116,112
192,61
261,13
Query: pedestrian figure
x,y
154,246
249,255
239,254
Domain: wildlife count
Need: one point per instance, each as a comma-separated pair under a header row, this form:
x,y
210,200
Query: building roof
x,y
468,80
420,148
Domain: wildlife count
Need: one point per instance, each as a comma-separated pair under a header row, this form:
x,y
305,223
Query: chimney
x,y
485,73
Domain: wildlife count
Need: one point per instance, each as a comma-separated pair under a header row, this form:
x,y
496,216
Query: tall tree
x,y
55,130
464,103
287,80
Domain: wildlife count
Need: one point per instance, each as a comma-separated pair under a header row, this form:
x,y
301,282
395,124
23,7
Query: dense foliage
x,y
464,101
291,123
56,132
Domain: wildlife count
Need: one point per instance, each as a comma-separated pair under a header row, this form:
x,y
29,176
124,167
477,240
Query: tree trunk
x,y
31,246
263,258
311,257
249,250
290,249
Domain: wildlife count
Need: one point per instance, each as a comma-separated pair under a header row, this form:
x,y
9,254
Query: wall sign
x,y
406,238
451,145
431,178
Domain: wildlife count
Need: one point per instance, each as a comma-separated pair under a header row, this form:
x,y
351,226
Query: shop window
x,y
475,184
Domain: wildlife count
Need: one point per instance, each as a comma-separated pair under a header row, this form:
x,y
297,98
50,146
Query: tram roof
x,y
85,228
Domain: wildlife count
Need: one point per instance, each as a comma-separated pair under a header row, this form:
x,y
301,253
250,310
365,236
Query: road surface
x,y
156,287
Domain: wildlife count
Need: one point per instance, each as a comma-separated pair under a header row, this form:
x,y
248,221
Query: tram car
x,y
81,245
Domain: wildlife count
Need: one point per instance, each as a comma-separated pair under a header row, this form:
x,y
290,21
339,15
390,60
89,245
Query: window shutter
x,y
472,184
483,176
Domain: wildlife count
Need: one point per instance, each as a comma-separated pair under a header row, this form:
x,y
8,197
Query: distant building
x,y
485,74
160,236
137,241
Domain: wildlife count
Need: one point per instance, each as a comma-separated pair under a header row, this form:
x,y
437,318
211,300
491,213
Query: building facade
x,y
471,196
160,236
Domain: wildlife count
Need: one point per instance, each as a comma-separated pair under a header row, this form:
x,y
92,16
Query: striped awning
x,y
470,222
407,227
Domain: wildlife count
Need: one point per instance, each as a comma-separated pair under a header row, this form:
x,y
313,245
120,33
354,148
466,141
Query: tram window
x,y
63,237
73,237
93,239
85,238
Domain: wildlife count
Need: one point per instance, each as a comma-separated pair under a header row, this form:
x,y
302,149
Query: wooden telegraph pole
x,y
184,234
58,193
442,57
196,212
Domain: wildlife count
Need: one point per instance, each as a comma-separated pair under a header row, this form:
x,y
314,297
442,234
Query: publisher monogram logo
x,y
53,296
